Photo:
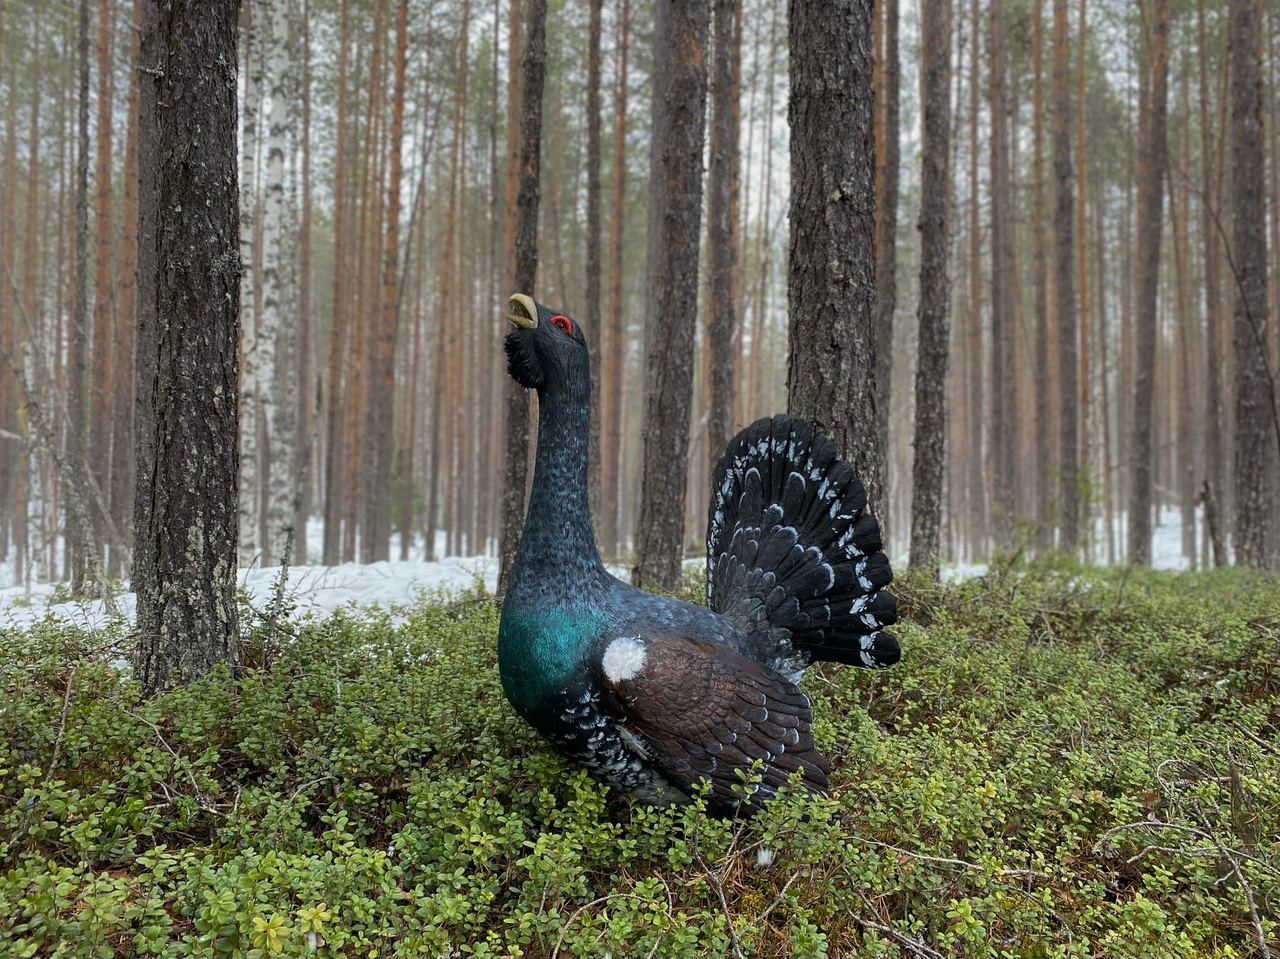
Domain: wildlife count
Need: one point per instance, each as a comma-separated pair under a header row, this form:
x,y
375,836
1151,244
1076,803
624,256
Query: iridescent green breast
x,y
538,653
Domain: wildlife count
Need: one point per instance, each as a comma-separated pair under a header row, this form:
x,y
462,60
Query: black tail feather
x,y
793,555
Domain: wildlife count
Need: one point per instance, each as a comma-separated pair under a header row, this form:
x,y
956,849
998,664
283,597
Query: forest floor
x,y
1067,762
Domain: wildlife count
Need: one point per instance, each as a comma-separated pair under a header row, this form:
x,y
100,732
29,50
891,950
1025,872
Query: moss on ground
x,y
1068,762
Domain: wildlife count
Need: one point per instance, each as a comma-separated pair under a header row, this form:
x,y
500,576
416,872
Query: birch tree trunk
x,y
276,374
250,340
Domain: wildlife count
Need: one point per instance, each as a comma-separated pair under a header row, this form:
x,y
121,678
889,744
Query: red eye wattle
x,y
562,323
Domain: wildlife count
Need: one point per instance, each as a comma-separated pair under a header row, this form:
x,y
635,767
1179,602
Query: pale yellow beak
x,y
523,311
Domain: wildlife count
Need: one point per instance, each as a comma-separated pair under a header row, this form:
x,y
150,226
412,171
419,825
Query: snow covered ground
x,y
317,591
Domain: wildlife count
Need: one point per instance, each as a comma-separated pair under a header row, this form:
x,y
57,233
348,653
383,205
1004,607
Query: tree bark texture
x,y
277,343
1151,156
533,68
1257,429
931,374
675,223
333,472
375,539
597,341
831,288
1065,287
887,231
611,396
146,340
78,533
1003,360
1214,423
1040,266
722,228
978,512
253,366
104,273
123,476
187,616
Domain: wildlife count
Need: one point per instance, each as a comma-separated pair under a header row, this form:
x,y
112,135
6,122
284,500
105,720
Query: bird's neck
x,y
557,555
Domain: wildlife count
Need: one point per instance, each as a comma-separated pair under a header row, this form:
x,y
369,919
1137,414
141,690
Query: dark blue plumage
x,y
653,694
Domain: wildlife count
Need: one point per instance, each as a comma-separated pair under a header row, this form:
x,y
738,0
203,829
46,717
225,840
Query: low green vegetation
x,y
1066,763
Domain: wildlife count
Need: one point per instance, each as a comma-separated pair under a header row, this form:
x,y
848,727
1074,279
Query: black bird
x,y
652,694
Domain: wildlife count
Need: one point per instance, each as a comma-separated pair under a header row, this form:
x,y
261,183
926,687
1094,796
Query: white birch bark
x,y
250,370
277,391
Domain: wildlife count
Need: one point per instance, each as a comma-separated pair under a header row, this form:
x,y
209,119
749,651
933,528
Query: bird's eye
x,y
562,323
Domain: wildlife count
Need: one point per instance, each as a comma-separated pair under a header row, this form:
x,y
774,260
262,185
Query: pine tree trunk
x,y
104,294
533,68
831,285
1184,453
338,339
977,516
147,332
8,235
931,374
616,361
1043,446
1150,221
722,227
375,538
78,536
675,223
1065,288
1108,466
597,335
367,276
122,403
886,235
1257,419
22,345
187,615
1003,372
1077,513
1214,424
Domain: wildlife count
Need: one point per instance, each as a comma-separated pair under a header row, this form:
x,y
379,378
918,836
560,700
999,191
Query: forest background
x,y
378,161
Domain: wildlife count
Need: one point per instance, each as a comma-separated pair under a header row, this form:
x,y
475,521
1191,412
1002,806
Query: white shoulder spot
x,y
623,658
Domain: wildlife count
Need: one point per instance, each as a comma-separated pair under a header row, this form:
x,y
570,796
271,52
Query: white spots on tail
x,y
623,658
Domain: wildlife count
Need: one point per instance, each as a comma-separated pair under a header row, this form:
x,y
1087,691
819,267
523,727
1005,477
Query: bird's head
x,y
546,350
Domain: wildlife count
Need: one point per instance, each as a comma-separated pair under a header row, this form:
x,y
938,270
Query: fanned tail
x,y
792,554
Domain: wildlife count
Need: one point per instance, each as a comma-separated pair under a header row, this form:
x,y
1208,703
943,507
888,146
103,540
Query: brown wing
x,y
700,710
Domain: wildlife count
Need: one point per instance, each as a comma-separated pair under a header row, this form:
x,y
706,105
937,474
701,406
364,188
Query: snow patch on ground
x,y
316,592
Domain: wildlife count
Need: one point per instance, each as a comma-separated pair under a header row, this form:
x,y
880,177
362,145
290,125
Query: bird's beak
x,y
523,312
